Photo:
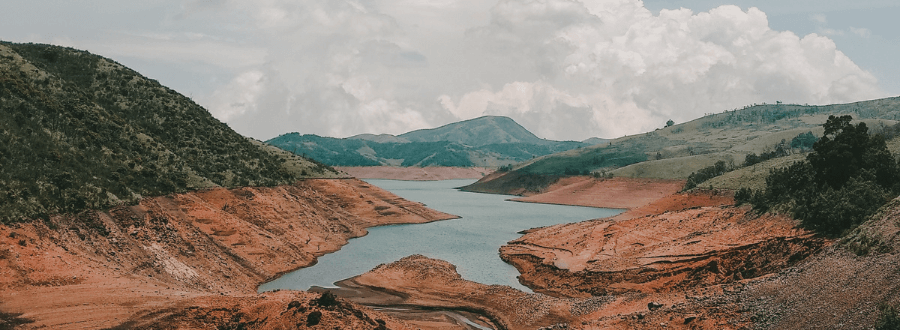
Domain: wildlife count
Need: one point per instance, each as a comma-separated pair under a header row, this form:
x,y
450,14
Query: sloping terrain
x,y
477,132
80,131
677,151
125,205
100,269
486,141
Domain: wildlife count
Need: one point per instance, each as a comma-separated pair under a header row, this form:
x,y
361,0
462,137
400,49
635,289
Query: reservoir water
x,y
471,243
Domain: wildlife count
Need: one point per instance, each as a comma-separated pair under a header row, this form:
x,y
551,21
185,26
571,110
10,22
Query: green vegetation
x,y
888,318
847,177
706,173
79,132
357,152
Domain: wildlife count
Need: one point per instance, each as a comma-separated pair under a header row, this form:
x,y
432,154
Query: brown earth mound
x,y
430,283
609,193
431,173
97,269
277,310
658,253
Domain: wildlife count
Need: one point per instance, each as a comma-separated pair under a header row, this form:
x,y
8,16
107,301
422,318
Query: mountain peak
x,y
477,132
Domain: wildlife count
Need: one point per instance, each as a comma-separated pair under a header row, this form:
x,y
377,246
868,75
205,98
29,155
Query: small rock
x,y
652,306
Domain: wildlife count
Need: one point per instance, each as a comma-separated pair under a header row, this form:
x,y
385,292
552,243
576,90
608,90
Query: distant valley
x,y
489,141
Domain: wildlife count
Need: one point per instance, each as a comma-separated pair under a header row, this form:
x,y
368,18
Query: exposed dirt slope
x,y
659,252
99,268
608,193
278,310
837,288
430,173
421,281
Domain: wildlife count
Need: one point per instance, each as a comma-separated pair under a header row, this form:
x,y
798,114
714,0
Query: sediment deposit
x,y
101,269
676,250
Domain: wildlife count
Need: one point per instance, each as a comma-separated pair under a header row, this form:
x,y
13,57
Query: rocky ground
x,y
686,261
103,269
431,173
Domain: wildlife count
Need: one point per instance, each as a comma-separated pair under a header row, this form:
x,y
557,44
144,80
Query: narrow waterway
x,y
471,243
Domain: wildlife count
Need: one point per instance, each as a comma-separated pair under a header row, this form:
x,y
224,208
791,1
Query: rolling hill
x,y
677,151
489,141
79,131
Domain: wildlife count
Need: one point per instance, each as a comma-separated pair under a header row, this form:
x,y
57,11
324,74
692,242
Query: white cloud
x,y
634,70
564,69
862,32
819,18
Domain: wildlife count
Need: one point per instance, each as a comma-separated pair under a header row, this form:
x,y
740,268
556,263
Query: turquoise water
x,y
471,243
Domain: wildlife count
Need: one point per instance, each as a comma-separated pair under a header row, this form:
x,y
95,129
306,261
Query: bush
x,y
706,173
888,318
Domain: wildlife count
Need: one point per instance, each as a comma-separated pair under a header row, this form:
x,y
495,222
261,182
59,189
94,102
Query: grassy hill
x,y
478,132
677,151
487,141
79,131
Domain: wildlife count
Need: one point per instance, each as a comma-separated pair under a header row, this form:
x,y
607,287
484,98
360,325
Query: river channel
x,y
471,243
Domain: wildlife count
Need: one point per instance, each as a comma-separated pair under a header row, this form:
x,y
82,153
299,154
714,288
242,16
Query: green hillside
x,y
79,131
486,141
678,151
363,152
477,132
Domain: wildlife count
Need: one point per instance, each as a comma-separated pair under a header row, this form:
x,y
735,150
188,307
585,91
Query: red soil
x,y
99,269
431,173
608,193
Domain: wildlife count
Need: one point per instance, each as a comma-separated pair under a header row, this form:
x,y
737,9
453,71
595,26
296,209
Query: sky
x,y
564,69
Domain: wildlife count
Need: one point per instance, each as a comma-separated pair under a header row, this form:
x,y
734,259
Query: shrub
x,y
888,318
706,173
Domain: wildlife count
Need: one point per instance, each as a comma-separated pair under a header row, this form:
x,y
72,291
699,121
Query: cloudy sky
x,y
564,69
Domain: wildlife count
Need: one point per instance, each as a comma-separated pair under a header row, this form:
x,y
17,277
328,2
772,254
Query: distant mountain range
x,y
484,141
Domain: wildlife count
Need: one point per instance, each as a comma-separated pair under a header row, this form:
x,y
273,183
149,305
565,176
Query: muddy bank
x,y
658,253
419,282
98,269
621,193
431,173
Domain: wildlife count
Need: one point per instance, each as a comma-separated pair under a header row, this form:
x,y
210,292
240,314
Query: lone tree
x,y
670,123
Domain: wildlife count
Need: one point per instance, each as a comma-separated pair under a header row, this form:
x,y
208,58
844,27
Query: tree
x,y
846,178
670,123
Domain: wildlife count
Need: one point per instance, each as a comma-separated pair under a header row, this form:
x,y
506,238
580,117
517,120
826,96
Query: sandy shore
x,y
416,173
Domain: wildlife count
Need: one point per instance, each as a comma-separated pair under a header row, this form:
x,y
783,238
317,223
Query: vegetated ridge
x,y
124,204
79,131
755,133
489,141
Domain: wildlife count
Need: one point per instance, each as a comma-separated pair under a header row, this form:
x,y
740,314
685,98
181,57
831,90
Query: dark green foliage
x,y
804,141
327,299
706,173
888,318
313,318
743,196
846,178
84,132
669,123
752,158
